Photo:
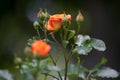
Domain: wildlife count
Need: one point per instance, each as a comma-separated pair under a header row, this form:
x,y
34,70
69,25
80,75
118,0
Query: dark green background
x,y
102,21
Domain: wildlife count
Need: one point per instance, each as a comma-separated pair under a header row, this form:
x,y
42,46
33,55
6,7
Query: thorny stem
x,y
78,27
52,35
66,63
78,64
70,53
61,37
65,57
41,28
52,59
35,75
38,33
52,76
55,65
65,35
88,76
69,56
45,77
66,28
45,31
66,66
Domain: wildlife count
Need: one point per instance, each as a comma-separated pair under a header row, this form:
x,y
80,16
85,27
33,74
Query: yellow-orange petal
x,y
55,21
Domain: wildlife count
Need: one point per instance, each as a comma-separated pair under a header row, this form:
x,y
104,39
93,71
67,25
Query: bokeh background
x,y
102,21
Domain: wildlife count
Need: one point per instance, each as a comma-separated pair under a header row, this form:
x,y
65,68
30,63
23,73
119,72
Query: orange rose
x,y
55,22
40,47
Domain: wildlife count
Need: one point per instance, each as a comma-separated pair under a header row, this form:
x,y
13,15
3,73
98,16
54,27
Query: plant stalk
x,y
52,76
55,65
66,66
38,34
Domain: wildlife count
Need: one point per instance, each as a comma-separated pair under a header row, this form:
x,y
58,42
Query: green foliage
x,y
98,71
83,50
85,44
44,65
82,75
106,72
5,75
71,34
98,44
98,65
27,76
73,70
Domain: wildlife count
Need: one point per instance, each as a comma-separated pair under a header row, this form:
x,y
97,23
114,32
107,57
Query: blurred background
x,y
102,21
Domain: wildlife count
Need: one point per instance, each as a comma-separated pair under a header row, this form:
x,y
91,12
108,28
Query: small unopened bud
x,y
79,17
47,16
18,60
36,25
41,14
27,50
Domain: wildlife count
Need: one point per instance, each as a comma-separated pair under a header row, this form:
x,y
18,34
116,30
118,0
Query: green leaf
x,y
73,70
43,65
62,72
103,61
82,75
5,75
71,34
84,69
83,50
107,72
98,44
27,76
98,65
81,39
83,72
53,68
31,40
83,45
65,42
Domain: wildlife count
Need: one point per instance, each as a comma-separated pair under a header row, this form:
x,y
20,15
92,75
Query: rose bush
x,y
56,29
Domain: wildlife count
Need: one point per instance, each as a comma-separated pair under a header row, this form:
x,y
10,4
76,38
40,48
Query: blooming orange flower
x,y
55,21
40,47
